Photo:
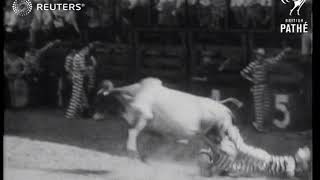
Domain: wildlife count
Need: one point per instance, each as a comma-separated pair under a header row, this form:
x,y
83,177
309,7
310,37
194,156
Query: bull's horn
x,y
233,100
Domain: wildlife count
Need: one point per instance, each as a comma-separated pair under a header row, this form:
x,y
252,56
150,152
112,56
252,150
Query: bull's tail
x,y
266,163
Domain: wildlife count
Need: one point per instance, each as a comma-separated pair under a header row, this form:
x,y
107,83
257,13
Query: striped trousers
x,y
91,80
78,99
262,103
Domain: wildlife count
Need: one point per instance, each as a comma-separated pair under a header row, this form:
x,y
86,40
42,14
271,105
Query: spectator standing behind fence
x,y
18,70
257,73
15,69
81,66
33,56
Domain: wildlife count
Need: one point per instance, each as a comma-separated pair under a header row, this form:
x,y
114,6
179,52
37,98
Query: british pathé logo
x,y
24,7
297,5
294,26
297,24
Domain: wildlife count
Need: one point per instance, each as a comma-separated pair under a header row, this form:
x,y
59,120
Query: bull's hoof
x,y
205,172
205,163
135,155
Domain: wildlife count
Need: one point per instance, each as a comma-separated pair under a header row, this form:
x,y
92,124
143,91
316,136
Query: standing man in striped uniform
x,y
257,73
77,65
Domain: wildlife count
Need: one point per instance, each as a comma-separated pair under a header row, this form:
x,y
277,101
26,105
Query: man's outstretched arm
x,y
279,57
245,73
48,46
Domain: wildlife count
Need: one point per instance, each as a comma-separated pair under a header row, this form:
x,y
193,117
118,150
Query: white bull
x,y
150,104
168,111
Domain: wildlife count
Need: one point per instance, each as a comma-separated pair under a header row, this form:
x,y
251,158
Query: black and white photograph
x,y
158,89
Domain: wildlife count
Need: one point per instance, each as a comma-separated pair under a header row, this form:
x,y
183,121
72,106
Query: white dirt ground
x,y
41,144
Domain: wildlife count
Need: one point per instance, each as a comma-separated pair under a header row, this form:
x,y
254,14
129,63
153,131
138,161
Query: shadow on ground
x,y
73,171
109,135
49,125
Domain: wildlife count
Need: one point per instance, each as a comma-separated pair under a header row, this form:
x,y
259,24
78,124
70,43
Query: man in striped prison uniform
x,y
224,159
79,69
257,73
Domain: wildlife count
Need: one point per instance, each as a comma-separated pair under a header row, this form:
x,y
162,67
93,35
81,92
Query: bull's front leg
x,y
133,134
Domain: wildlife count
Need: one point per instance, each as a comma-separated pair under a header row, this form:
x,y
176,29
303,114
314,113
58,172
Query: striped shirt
x,y
68,62
78,62
259,69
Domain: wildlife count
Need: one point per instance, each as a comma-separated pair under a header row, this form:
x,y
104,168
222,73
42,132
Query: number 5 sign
x,y
281,102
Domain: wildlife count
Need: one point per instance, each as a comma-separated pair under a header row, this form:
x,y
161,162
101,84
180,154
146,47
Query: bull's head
x,y
110,104
109,101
